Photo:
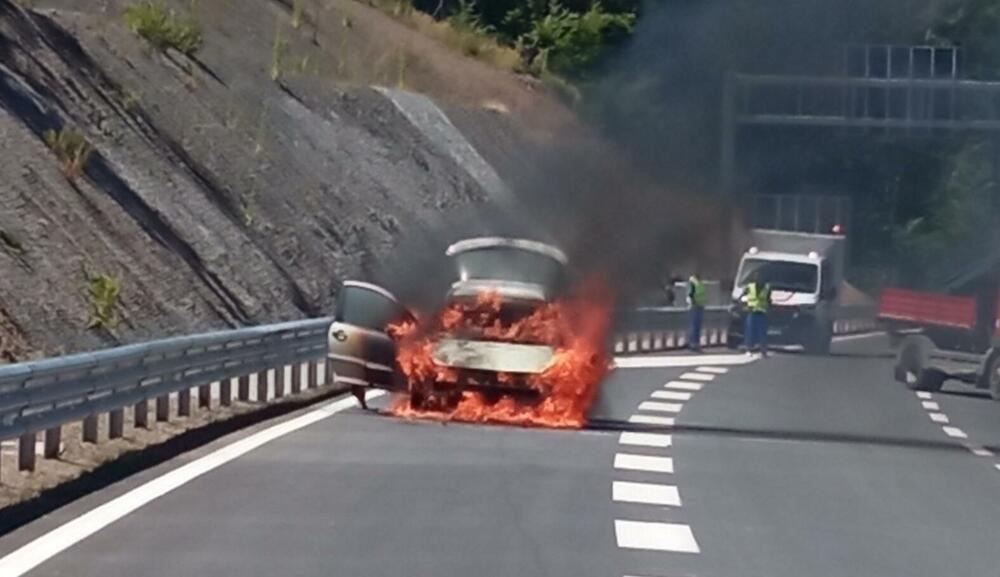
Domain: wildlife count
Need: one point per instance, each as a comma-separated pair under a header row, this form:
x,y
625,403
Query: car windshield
x,y
781,275
506,263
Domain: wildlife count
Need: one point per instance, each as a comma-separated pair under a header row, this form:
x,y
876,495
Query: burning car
x,y
506,342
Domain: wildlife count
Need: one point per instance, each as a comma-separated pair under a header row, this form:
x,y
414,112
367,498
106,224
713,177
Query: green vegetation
x,y
164,28
298,13
72,150
567,38
278,51
103,292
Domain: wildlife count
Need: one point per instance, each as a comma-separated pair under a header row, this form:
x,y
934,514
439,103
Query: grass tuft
x,y
163,28
103,292
72,150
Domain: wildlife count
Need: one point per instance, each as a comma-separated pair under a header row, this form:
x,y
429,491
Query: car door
x,y
359,349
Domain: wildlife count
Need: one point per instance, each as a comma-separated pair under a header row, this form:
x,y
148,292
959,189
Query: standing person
x,y
757,296
697,295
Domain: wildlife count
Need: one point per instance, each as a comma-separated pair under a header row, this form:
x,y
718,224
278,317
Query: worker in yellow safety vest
x,y
757,297
696,300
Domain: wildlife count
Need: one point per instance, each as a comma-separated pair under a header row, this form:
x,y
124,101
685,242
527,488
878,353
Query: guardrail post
x,y
226,392
244,388
296,378
90,429
53,442
279,382
184,402
262,386
116,424
205,395
26,452
163,408
142,414
312,381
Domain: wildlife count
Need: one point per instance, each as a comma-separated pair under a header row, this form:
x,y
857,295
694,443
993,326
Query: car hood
x,y
492,356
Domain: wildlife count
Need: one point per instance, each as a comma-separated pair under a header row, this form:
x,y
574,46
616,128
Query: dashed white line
x,y
955,432
939,417
930,405
697,377
672,537
645,439
648,463
660,407
684,386
645,493
923,395
651,420
997,466
671,395
715,370
981,451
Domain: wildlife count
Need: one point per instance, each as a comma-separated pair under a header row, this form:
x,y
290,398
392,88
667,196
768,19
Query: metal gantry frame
x,y
906,104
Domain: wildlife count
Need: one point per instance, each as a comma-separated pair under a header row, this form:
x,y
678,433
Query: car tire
x,y
911,366
818,341
991,375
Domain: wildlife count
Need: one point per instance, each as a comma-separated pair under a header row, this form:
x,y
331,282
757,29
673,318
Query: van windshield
x,y
781,275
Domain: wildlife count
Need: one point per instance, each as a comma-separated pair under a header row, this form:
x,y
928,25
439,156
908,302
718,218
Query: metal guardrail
x,y
649,329
46,394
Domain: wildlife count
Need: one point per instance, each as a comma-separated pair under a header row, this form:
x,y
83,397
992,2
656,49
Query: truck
x,y
941,336
805,272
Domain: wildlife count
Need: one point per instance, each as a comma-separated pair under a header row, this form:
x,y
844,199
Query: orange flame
x,y
576,328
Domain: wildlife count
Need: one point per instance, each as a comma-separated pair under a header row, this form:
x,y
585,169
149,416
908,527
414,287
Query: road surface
x,y
790,466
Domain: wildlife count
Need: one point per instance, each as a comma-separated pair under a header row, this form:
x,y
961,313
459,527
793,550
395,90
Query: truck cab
x,y
803,271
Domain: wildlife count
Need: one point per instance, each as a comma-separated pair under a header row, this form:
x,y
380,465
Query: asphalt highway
x,y
790,466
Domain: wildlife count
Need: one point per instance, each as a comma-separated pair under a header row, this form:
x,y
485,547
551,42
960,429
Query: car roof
x,y
500,242
784,256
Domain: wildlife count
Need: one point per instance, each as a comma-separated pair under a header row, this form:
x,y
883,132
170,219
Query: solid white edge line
x,y
645,493
955,432
842,338
43,548
662,361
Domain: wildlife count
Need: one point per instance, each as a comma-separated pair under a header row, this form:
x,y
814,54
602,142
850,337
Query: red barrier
x,y
928,308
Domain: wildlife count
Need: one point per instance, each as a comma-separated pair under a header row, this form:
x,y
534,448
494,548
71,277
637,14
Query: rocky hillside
x,y
231,186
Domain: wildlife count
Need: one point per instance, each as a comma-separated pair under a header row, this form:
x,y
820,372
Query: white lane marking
x,y
660,407
645,493
842,338
645,439
997,466
939,417
923,395
684,385
671,396
631,462
955,432
654,362
930,405
61,538
697,377
713,370
655,536
981,451
651,420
